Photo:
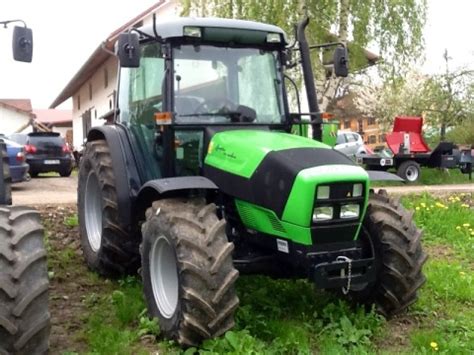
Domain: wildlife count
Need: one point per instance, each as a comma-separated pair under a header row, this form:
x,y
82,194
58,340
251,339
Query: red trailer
x,y
409,151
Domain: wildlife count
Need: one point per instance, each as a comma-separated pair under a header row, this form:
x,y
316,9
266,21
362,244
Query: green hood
x,y
240,152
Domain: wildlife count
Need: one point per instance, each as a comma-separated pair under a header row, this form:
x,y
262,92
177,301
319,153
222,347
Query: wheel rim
x,y
93,211
412,173
164,276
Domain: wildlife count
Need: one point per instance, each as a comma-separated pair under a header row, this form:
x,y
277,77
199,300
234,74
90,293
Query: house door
x,y
86,123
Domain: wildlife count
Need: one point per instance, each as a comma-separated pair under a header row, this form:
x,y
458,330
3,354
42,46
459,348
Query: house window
x,y
347,124
382,138
90,91
371,121
106,78
372,139
78,102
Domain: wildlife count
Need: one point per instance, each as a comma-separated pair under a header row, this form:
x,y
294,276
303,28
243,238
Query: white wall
x,y
101,102
11,120
102,97
61,130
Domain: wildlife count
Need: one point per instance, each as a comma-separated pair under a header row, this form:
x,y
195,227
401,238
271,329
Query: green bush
x,y
462,134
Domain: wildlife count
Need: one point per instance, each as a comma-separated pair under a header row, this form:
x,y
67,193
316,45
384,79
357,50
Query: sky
x,y
66,32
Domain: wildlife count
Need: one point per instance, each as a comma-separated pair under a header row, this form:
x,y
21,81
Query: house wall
x,y
94,96
61,130
11,120
102,99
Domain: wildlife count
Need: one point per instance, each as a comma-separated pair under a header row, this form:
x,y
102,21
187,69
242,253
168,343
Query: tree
x,y
393,26
448,97
444,100
394,97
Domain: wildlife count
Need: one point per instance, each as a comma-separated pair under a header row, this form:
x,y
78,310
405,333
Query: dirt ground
x,y
71,284
45,190
69,280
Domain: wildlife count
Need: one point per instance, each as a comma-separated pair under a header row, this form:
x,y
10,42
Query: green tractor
x,y
198,179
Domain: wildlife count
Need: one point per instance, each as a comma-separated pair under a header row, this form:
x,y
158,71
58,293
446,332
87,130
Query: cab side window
x,y
140,97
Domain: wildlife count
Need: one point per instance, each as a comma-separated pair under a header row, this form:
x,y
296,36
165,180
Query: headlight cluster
x,y
340,209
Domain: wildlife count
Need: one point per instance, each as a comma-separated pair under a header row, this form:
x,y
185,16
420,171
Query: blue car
x,y
17,161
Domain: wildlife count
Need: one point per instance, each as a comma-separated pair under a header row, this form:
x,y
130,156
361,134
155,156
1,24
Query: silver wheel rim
x,y
412,173
164,276
93,211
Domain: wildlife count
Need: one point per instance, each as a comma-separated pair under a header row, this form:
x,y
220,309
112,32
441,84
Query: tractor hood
x,y
267,169
240,152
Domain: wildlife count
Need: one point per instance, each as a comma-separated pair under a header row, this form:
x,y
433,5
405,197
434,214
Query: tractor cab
x,y
193,77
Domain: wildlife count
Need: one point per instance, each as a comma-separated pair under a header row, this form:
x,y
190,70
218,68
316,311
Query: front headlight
x,y
350,211
357,190
322,214
323,192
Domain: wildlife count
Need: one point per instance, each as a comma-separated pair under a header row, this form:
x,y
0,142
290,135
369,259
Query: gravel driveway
x,y
46,190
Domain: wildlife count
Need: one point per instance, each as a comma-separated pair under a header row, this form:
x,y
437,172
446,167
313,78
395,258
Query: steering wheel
x,y
216,104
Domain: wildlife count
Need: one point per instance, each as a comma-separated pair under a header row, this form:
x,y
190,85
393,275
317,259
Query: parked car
x,y
16,160
350,143
46,152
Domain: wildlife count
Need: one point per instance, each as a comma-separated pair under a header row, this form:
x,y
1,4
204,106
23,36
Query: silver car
x,y
350,143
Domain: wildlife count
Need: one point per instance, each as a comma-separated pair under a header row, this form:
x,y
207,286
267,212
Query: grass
x,y
290,317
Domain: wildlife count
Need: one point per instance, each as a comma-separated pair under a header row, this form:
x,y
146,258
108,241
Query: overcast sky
x,y
67,32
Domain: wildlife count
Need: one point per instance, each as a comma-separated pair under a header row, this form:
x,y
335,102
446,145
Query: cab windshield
x,y
225,85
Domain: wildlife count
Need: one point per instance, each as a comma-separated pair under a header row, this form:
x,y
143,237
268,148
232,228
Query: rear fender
x,y
127,180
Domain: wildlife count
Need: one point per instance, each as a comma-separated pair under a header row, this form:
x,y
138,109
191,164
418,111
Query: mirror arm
x,y
6,23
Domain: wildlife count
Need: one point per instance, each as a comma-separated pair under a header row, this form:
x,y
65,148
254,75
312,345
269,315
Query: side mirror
x,y
128,50
22,44
340,60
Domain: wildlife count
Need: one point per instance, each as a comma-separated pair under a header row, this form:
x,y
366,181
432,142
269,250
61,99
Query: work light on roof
x,y
273,38
192,31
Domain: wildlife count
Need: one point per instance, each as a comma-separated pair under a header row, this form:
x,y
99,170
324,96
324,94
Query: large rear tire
x,y
388,230
24,316
188,274
5,178
107,247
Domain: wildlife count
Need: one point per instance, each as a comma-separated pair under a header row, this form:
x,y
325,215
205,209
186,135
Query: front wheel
x,y
391,236
188,274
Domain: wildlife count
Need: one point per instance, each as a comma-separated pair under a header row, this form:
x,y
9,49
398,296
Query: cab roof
x,y
175,27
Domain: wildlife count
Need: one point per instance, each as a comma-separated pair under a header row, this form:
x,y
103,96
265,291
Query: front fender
x,y
376,175
155,189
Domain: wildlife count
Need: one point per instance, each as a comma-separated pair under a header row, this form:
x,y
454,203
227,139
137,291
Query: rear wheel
x,y
389,231
24,316
108,248
188,274
409,170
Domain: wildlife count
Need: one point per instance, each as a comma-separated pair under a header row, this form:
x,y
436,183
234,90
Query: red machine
x,y
407,135
409,151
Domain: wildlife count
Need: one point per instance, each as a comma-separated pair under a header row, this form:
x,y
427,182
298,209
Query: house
x,y
16,116
56,120
93,87
351,119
